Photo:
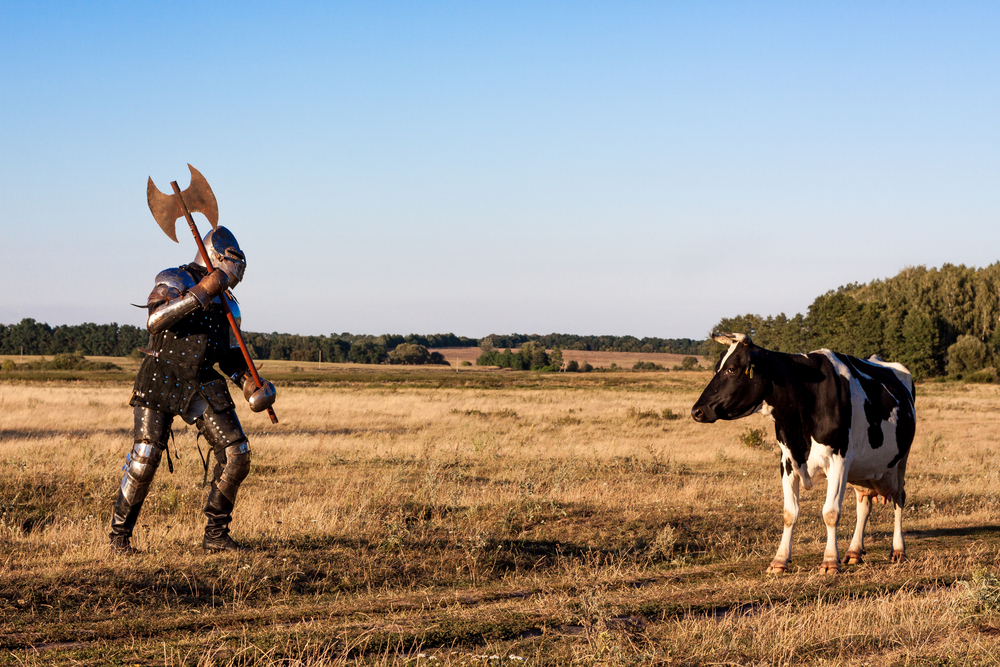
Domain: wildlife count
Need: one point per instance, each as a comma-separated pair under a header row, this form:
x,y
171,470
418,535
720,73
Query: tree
x,y
534,355
367,351
920,343
966,355
410,354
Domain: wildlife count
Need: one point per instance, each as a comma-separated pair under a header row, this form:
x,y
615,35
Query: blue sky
x,y
591,168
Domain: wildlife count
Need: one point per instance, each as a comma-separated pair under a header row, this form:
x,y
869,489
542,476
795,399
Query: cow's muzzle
x,y
703,415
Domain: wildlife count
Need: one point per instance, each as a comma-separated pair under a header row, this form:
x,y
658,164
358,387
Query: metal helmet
x,y
224,251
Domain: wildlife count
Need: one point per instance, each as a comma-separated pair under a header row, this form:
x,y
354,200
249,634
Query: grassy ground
x,y
435,517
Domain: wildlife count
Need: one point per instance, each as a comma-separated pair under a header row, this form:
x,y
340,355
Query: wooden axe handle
x,y
225,304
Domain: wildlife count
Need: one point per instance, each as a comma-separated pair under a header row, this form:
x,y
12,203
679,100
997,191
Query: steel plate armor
x,y
189,335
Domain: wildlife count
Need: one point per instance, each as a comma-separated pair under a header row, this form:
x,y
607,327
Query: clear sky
x,y
641,168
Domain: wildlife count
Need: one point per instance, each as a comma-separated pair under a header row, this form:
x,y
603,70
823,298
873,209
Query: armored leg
x,y
150,434
223,432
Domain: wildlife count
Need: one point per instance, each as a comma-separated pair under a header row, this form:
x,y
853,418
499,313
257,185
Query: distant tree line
x,y
358,349
934,321
531,356
31,337
105,340
599,343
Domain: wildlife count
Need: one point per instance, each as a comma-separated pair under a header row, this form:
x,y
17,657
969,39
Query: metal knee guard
x,y
140,466
223,431
235,470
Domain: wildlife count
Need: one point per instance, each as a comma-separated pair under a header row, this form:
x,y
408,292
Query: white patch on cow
x,y
732,348
821,458
866,464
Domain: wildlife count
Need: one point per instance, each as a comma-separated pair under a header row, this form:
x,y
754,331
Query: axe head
x,y
166,208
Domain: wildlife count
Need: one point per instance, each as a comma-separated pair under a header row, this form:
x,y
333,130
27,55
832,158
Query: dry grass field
x,y
447,517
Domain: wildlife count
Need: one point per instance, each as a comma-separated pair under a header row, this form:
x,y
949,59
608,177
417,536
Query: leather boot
x,y
123,519
219,511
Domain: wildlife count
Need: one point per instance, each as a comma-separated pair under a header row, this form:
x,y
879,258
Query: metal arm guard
x,y
172,312
176,296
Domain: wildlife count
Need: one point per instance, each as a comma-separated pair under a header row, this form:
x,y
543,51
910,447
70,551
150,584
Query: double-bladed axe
x,y
197,197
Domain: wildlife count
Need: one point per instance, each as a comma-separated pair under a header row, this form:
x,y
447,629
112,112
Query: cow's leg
x,y
790,491
836,484
899,502
857,548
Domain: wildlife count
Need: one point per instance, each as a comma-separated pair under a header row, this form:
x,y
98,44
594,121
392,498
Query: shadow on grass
x,y
967,531
34,434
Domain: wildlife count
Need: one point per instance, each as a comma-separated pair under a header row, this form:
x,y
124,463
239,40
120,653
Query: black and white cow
x,y
850,419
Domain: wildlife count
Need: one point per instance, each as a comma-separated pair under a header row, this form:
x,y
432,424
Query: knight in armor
x,y
189,335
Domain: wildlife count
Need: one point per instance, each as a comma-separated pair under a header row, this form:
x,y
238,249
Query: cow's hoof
x,y
829,567
898,556
852,558
777,567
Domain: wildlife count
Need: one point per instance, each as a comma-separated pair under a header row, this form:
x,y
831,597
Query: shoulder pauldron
x,y
170,284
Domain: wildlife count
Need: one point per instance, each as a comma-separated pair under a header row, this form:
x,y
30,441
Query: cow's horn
x,y
731,338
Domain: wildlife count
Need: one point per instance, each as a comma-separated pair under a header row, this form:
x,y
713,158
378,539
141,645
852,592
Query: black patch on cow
x,y
831,418
879,403
884,392
788,467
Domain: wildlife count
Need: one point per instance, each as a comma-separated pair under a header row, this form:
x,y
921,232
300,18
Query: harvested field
x,y
429,516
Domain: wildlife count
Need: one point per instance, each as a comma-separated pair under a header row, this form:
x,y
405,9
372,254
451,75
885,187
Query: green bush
x,y
409,354
754,438
68,362
670,415
966,355
647,366
983,592
985,376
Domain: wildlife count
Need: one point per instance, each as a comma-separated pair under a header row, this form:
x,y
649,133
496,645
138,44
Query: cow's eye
x,y
731,370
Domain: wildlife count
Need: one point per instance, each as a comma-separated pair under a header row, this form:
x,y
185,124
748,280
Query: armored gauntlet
x,y
210,287
259,398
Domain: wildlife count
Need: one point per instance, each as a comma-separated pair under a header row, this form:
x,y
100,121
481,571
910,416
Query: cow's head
x,y
740,384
